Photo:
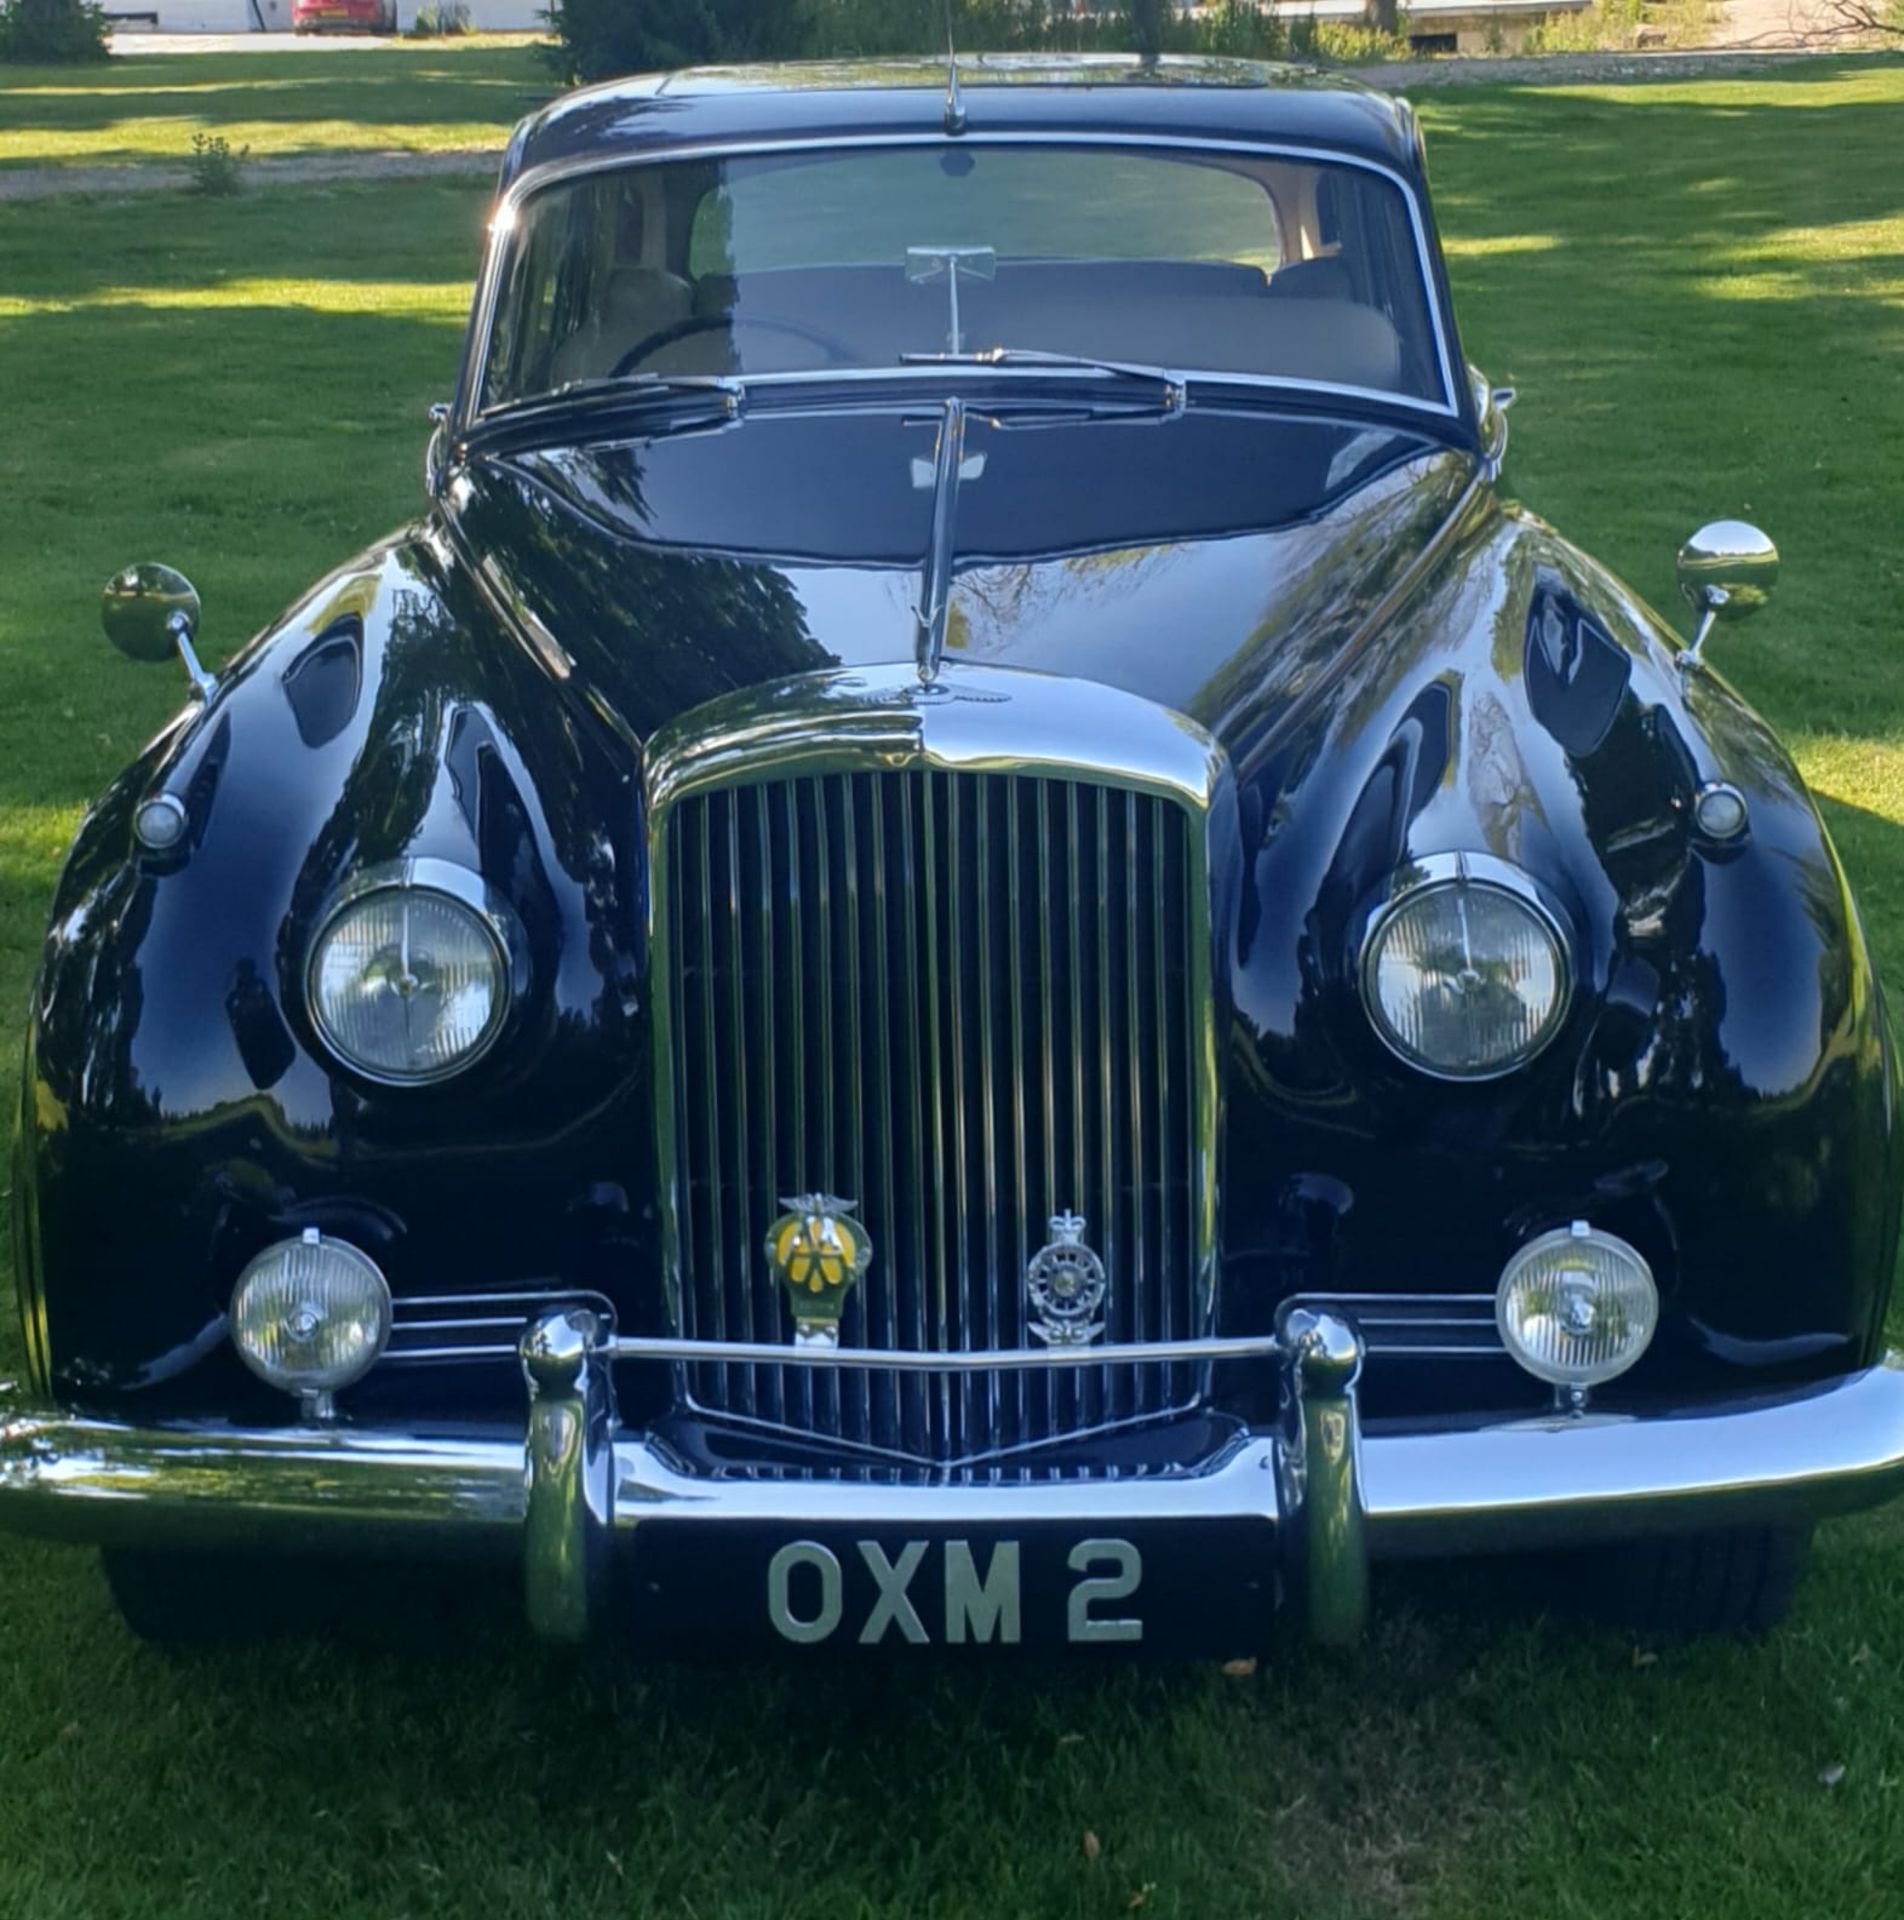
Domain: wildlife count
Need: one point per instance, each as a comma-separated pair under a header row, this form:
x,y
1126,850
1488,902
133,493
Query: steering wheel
x,y
838,353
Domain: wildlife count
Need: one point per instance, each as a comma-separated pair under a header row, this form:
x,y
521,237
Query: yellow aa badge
x,y
818,1251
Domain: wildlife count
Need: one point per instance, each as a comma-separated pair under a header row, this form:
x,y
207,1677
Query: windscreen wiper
x,y
637,383
1175,388
669,402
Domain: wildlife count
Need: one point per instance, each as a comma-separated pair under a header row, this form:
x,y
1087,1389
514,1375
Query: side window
x,y
548,293
1372,223
711,235
1328,215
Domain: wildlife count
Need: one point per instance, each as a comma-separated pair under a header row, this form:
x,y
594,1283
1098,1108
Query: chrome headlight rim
x,y
422,874
1481,871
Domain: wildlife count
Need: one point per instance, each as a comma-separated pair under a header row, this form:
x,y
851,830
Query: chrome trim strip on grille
x,y
806,765
1393,1326
1145,1353
1416,1326
447,1328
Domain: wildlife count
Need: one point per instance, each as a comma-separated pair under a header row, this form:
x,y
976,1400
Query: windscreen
x,y
869,257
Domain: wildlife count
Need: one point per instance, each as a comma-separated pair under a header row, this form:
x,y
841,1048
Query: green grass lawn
x,y
1699,290
420,99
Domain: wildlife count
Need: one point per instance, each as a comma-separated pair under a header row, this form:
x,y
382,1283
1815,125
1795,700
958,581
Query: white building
x,y
1436,26
274,16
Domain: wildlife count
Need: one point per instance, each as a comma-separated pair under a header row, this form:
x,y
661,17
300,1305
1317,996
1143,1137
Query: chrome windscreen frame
x,y
971,719
506,218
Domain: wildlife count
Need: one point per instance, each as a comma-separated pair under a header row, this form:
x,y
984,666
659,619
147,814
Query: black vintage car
x,y
968,948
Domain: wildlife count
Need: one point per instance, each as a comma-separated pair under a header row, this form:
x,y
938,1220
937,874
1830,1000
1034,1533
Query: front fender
x,y
179,1112
1723,1092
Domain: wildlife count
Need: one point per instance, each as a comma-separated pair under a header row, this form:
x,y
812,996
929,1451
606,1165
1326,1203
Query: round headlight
x,y
1466,976
409,981
310,1315
1577,1307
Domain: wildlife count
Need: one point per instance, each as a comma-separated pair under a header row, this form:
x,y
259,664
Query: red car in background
x,y
343,16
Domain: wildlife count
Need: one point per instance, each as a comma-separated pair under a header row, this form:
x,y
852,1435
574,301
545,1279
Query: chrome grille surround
x,y
788,975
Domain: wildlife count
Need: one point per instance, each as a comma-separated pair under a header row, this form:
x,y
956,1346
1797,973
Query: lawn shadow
x,y
1363,1782
1342,1776
145,107
1705,319
254,444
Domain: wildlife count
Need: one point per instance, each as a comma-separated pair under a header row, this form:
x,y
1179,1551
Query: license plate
x,y
1174,1587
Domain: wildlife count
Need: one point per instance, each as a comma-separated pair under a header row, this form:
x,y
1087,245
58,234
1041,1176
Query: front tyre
x,y
197,1600
1739,1581
181,1600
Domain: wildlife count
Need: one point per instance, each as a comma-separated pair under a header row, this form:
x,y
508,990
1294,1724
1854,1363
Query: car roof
x,y
1181,98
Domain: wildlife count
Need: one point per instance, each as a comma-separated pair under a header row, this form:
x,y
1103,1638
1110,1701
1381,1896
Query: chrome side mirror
x,y
436,456
1490,412
151,613
1727,570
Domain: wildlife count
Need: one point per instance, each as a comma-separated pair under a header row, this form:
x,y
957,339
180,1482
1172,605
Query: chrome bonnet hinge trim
x,y
935,575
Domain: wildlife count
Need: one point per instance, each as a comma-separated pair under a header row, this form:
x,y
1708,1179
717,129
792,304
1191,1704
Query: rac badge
x,y
818,1250
1066,1283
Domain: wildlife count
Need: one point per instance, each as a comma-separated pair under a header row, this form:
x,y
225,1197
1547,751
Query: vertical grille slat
x,y
763,967
966,1001
919,1292
1019,1239
1048,1388
857,1393
992,1268
1155,1316
884,1278
744,1212
930,1195
1160,987
953,875
716,1254
1108,1241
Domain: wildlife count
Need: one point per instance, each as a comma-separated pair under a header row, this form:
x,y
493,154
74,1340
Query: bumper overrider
x,y
610,1526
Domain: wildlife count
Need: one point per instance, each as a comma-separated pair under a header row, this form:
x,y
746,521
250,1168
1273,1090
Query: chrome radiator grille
x,y
967,1001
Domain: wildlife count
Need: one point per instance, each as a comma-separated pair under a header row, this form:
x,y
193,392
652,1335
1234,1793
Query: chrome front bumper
x,y
577,1488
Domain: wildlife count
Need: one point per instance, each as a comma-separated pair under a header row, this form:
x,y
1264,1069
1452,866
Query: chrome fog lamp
x,y
310,1315
1577,1307
1465,972
410,976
